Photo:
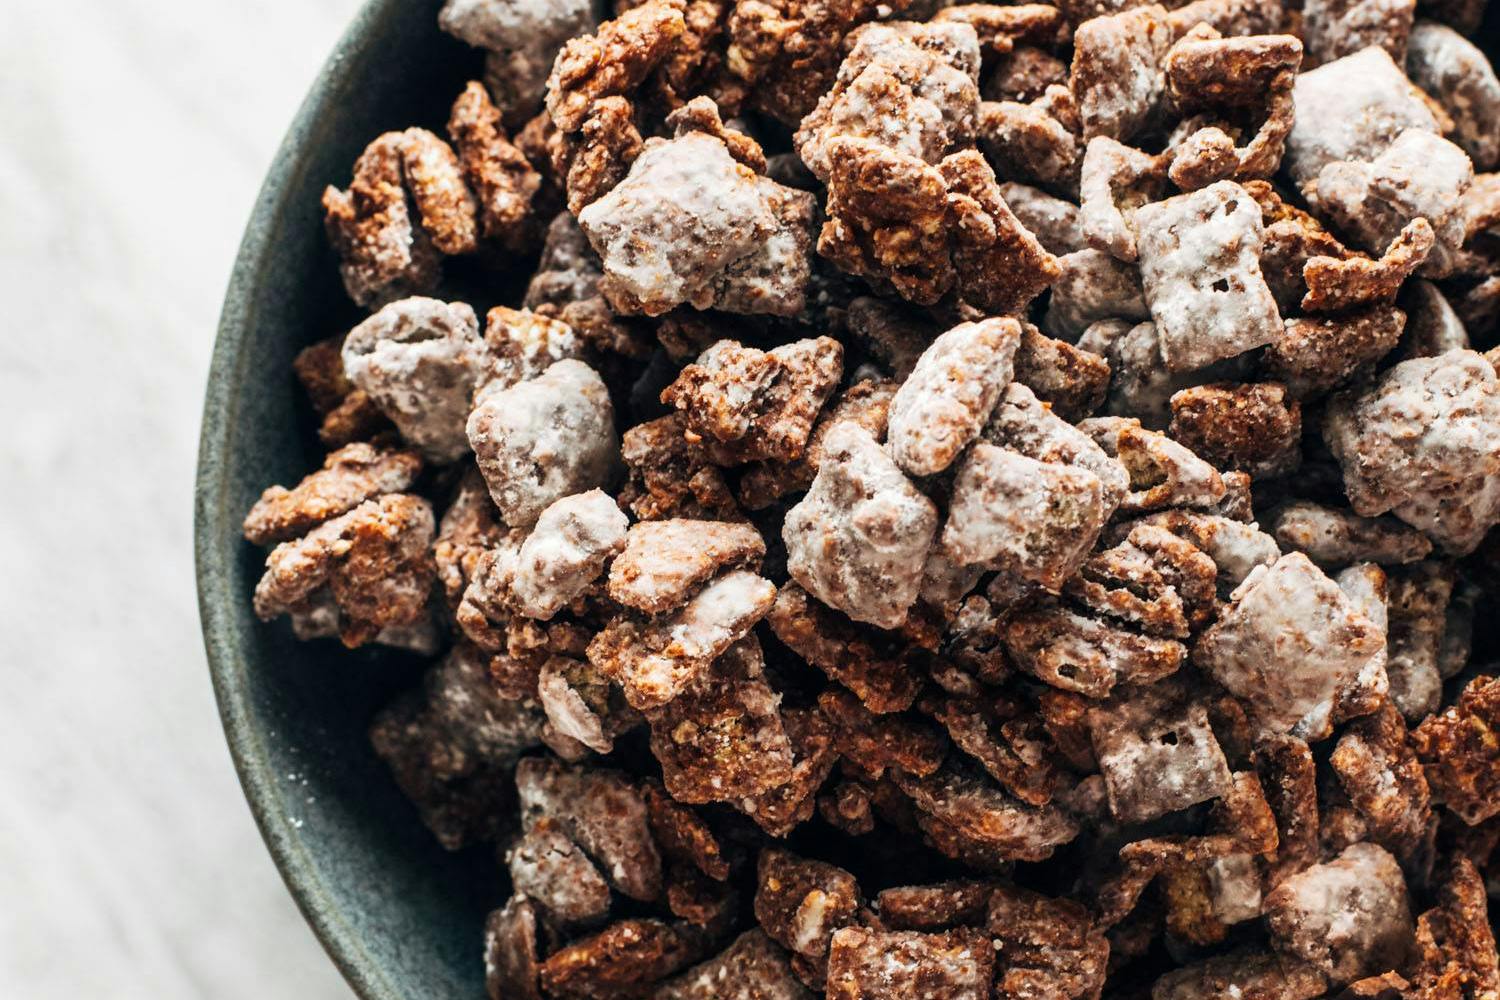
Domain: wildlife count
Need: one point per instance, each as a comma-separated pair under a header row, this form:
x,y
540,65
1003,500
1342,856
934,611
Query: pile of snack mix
x,y
976,501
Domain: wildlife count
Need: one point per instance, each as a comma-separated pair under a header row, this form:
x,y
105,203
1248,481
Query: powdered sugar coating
x,y
1200,269
1288,642
858,540
948,397
1458,75
420,359
544,439
566,552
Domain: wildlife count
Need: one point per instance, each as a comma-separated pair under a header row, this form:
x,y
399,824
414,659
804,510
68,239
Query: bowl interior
x,y
400,916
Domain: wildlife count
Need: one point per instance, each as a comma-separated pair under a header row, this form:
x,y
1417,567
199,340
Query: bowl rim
x,y
217,581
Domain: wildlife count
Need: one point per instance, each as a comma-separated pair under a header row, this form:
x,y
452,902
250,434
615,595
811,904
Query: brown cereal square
x,y
1157,753
885,965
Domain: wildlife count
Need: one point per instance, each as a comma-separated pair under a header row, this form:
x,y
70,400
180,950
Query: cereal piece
x,y
1418,175
1072,381
1030,143
548,867
439,192
670,476
1432,326
1251,427
1021,423
602,812
568,270
781,810
581,707
1081,654
1162,472
621,960
451,751
1116,179
1023,74
748,404
846,807
1242,973
349,414
419,359
945,401
374,560
657,660
873,745
1052,220
1093,286
1455,941
1033,519
1014,750
1351,109
607,144
1203,71
1286,643
1117,77
469,528
752,968
683,835
522,41
912,87
1045,947
1156,752
883,965
874,665
1141,385
1365,584
929,230
502,179
1336,284
1424,443
664,562
969,819
721,739
1314,354
511,962
936,907
349,477
565,552
801,903
866,403
1456,73
523,344
543,439
1154,579
1235,547
718,233
1384,780
1348,917
1332,29
858,539
611,62
1458,750
1338,537
1200,271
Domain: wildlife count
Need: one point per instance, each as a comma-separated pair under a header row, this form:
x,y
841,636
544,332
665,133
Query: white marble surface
x,y
133,136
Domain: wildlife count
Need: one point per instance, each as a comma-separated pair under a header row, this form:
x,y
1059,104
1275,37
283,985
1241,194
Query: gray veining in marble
x,y
133,137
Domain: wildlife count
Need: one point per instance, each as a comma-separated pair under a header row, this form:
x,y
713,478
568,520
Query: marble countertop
x,y
136,133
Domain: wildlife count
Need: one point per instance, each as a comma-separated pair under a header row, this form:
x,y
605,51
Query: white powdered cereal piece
x,y
1288,642
1157,753
1351,109
544,439
1200,270
568,714
689,223
1455,72
1338,537
945,401
1162,472
1423,442
1022,423
1035,519
566,552
522,38
1349,917
1093,286
911,87
1419,175
859,538
419,360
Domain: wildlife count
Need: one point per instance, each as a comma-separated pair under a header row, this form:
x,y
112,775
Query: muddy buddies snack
x,y
967,502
